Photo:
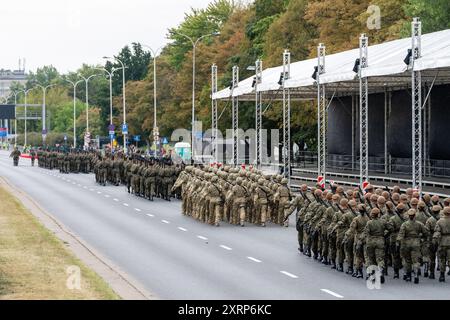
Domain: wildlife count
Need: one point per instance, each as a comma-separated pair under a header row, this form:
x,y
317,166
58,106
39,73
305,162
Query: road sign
x,y
164,140
3,132
111,135
65,138
198,134
111,132
44,131
137,138
124,128
111,127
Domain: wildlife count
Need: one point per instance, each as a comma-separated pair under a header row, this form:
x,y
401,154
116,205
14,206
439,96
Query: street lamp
x,y
87,97
26,108
15,93
154,93
74,84
44,120
194,46
123,99
110,74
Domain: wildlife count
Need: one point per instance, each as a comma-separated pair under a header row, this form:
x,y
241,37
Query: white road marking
x,y
289,274
202,237
91,189
126,204
84,187
225,247
79,185
150,215
107,195
137,209
116,199
99,192
254,259
182,229
165,221
332,293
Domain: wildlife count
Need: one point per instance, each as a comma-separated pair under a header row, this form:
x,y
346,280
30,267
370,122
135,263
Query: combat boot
x,y
448,273
442,277
396,273
349,270
382,279
333,264
264,225
431,276
416,279
407,277
242,223
340,267
300,248
425,271
419,272
359,274
325,261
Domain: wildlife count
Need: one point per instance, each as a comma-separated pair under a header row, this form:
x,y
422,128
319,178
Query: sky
x,y
68,33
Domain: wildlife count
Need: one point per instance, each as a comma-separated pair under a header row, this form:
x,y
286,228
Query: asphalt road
x,y
176,257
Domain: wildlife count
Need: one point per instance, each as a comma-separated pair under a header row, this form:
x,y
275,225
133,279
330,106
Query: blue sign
x,y
111,132
44,131
3,132
65,138
124,128
112,136
164,140
111,127
199,135
137,138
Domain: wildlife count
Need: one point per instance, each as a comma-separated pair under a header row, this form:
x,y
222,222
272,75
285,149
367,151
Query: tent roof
x,y
386,70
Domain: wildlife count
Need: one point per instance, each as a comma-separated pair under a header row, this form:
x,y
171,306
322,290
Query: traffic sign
x,y
137,138
111,127
65,138
124,128
111,135
164,140
44,131
111,132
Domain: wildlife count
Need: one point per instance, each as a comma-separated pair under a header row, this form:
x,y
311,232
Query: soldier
x,y
303,202
441,240
215,203
238,210
32,156
323,226
356,230
394,224
430,224
342,224
409,237
262,192
15,155
331,231
373,236
284,199
348,240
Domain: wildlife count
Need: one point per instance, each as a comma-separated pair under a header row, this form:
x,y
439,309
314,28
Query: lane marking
x,y
116,199
99,192
107,195
137,209
202,237
225,247
165,221
332,293
91,189
289,274
84,187
126,204
254,259
150,215
182,229
79,185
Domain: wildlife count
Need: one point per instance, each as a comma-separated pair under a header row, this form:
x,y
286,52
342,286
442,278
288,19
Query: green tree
x,y
435,14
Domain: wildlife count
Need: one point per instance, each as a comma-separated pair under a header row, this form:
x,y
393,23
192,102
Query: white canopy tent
x,y
409,63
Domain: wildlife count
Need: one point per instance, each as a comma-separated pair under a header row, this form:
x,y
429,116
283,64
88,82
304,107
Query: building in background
x,y
8,77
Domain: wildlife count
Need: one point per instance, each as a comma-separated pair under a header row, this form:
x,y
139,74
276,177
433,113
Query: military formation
x,y
66,161
217,194
377,228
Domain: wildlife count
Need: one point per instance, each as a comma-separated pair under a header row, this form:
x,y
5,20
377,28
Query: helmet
x,y
436,209
375,212
374,198
435,199
352,203
422,204
401,207
381,200
284,181
411,212
239,180
214,178
318,193
336,197
447,211
344,202
261,181
414,202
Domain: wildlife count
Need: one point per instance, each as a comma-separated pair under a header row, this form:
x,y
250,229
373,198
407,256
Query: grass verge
x,y
35,265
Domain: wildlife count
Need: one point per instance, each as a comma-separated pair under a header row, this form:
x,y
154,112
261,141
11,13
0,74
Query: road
x,y
176,257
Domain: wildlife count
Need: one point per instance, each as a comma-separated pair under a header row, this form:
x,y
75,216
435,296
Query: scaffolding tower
x,y
235,116
258,113
363,111
286,116
321,116
214,118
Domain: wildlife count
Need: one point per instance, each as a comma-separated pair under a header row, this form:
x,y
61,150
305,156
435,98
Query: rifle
x,y
340,209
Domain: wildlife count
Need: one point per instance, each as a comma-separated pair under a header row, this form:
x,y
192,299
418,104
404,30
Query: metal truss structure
x,y
214,117
321,114
235,116
416,86
258,113
363,111
286,116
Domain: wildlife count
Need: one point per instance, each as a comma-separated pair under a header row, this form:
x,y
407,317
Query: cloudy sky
x,y
67,33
